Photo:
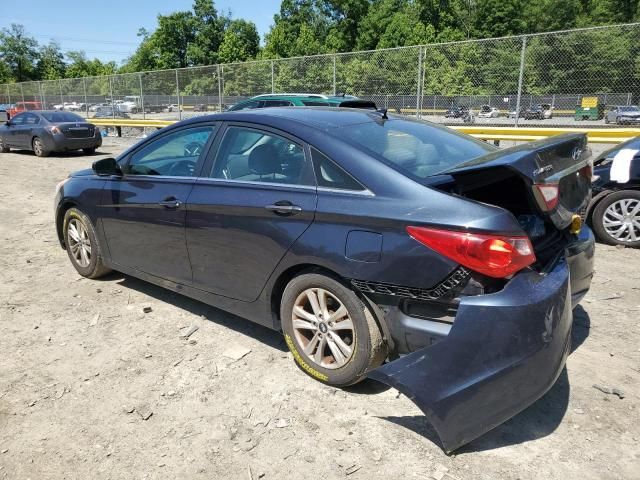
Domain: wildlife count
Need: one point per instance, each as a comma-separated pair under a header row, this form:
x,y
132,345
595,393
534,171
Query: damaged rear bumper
x,y
503,352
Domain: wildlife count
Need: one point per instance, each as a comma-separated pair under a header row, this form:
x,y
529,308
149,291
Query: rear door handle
x,y
170,203
284,208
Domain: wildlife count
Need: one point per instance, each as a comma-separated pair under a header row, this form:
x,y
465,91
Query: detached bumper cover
x,y
504,351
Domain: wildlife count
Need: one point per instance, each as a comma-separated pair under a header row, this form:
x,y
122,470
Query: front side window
x,y
175,154
19,119
255,156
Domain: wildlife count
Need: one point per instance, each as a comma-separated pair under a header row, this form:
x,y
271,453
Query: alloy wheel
x,y
38,147
79,242
323,328
621,220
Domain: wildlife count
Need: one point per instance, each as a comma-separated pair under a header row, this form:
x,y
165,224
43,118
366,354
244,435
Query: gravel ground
x,y
91,386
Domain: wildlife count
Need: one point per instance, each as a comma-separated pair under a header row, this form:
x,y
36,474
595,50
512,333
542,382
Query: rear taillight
x,y
496,256
547,195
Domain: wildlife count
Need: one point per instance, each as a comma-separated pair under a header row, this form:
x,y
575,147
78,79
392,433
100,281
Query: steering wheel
x,y
193,149
182,168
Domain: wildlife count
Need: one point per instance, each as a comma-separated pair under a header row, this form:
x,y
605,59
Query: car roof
x,y
318,117
301,96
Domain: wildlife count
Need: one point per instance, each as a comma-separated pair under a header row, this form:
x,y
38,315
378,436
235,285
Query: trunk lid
x,y
563,160
77,129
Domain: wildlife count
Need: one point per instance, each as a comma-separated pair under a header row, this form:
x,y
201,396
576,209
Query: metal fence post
x,y
86,101
144,115
520,78
178,94
419,86
8,94
113,104
273,79
334,75
61,97
22,94
219,88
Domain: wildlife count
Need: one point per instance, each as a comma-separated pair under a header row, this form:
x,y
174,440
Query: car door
x,y
27,129
246,211
14,131
143,211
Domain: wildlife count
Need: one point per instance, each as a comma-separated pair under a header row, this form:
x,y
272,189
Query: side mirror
x,y
106,167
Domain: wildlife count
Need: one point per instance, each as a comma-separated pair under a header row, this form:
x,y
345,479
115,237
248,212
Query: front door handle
x,y
170,203
284,208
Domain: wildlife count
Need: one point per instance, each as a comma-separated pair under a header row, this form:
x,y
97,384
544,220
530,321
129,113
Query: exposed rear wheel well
x,y
60,219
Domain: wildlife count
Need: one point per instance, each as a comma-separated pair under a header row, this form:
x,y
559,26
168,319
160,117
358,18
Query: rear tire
x,y
38,148
82,244
3,147
89,151
338,349
613,213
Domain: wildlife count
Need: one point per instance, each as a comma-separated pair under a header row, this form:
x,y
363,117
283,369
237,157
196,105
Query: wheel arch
x,y
62,210
288,274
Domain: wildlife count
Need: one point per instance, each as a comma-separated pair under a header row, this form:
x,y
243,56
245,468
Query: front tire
x,y
616,219
82,245
332,335
38,148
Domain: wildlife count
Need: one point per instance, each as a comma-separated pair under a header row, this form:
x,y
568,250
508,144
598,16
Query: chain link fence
x,y
575,77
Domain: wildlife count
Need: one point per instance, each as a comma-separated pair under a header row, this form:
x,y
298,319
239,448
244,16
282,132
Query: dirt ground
x,y
92,387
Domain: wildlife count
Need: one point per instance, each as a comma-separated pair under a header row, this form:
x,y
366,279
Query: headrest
x,y
264,160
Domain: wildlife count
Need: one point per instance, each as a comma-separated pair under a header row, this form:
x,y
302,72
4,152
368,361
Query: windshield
x,y
417,149
56,117
630,109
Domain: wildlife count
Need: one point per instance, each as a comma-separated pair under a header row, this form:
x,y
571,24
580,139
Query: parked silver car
x,y
623,114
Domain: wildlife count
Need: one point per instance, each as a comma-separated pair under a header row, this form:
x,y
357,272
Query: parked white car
x,y
487,111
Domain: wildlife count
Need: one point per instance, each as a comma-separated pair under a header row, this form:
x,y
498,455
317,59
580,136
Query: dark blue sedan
x,y
363,238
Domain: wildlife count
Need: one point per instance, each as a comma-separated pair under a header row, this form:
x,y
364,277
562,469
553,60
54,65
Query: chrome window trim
x,y
250,182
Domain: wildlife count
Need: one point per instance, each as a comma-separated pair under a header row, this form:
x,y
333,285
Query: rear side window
x,y
312,103
250,155
245,106
330,175
277,103
31,119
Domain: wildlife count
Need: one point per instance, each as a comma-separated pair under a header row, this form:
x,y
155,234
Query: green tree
x,y
209,33
18,52
241,42
80,66
51,65
499,18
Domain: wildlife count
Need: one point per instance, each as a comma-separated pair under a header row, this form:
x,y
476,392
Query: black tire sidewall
x,y
93,267
598,214
353,371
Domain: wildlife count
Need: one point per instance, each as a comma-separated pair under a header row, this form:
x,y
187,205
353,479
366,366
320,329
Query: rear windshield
x,y
56,117
417,149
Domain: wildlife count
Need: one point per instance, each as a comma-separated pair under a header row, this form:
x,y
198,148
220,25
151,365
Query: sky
x,y
107,30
